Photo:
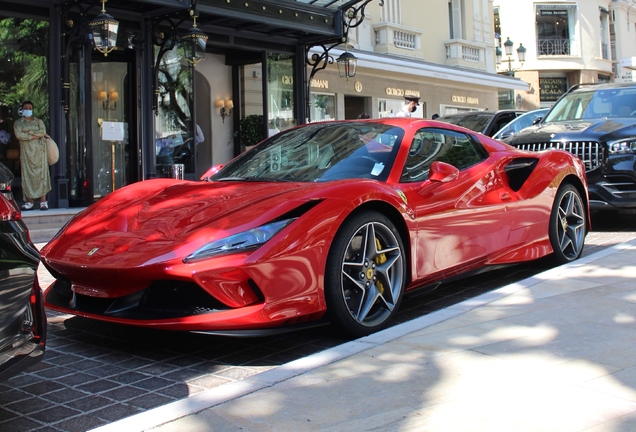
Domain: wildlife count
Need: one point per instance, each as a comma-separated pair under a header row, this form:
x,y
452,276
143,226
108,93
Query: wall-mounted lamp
x,y
104,28
109,100
225,108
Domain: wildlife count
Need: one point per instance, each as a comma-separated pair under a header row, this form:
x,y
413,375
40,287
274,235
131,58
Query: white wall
x,y
218,134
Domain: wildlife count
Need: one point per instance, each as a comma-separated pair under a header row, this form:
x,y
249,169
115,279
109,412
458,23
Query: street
x,y
95,373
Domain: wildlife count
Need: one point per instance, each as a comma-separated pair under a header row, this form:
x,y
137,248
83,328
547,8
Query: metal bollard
x,y
177,171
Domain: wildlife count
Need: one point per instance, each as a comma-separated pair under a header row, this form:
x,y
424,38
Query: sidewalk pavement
x,y
555,352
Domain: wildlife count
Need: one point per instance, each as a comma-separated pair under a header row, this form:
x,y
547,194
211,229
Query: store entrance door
x,y
115,155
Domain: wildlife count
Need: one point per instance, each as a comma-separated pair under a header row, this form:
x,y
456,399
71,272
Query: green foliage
x,y
251,128
24,74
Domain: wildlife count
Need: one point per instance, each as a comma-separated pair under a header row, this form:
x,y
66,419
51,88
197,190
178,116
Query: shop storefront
x,y
147,108
380,86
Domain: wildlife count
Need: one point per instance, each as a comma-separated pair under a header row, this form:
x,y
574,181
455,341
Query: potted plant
x,y
251,130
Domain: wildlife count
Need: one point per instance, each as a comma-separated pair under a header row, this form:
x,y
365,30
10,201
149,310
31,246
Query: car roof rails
x,y
578,86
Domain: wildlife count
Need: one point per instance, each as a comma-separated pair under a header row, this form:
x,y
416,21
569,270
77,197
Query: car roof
x,y
487,113
600,86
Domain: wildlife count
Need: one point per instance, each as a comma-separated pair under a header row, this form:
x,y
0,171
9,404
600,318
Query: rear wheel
x,y
568,224
365,274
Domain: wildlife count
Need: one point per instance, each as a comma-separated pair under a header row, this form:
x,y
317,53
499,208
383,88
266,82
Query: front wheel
x,y
568,224
365,274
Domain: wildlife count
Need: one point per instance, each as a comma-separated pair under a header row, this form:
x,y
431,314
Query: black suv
x,y
596,122
485,122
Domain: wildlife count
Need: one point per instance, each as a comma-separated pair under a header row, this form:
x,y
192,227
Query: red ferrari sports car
x,y
324,222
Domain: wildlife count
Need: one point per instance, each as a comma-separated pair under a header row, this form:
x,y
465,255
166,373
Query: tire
x,y
568,225
364,285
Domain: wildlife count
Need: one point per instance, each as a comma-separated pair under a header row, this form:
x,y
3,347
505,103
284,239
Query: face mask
x,y
27,113
413,109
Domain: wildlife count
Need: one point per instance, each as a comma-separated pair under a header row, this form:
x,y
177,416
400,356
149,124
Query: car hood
x,y
600,130
167,219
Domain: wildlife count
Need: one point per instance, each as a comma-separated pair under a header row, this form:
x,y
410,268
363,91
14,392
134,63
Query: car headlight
x,y
622,146
241,242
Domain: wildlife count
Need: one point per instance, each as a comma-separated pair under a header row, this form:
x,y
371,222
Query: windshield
x,y
594,104
520,123
319,152
476,122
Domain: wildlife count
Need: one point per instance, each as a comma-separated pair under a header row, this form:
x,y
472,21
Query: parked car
x,y
596,122
485,122
523,121
328,221
22,316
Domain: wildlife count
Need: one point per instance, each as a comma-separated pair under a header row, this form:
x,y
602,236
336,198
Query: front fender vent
x,y
518,171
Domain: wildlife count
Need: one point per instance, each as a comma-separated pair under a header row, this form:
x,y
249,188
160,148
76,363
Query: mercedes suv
x,y
597,122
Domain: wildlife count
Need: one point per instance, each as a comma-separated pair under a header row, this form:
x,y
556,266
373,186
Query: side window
x,y
442,145
503,120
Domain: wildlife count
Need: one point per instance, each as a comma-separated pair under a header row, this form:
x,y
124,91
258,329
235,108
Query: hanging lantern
x,y
194,43
347,63
104,29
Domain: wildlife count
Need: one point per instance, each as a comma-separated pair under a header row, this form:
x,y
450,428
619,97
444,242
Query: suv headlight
x,y
241,242
623,146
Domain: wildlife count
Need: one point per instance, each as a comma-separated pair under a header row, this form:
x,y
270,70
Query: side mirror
x,y
209,173
506,134
442,172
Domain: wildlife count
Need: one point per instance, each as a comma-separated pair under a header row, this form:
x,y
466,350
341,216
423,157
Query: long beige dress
x,y
36,178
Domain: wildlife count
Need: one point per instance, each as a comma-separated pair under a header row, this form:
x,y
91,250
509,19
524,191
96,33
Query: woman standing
x,y
36,178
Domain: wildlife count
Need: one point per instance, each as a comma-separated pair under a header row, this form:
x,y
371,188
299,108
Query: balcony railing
x,y
553,47
403,39
460,52
394,38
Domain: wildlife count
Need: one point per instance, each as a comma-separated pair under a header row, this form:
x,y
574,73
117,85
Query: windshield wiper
x,y
252,179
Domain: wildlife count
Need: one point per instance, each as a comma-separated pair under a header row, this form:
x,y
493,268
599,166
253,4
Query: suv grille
x,y
591,153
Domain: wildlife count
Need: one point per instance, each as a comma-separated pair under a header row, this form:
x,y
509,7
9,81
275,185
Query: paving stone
x,y
7,415
42,387
20,424
77,379
29,405
65,395
153,383
55,372
123,393
178,391
128,377
116,412
52,415
98,386
8,395
150,400
80,423
90,403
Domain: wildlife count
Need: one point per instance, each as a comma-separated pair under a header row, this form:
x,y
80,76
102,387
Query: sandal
x,y
27,206
44,205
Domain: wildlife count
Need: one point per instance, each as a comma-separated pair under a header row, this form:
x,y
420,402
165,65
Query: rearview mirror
x,y
443,172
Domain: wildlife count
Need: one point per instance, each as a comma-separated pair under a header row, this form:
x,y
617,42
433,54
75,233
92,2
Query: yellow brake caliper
x,y
379,259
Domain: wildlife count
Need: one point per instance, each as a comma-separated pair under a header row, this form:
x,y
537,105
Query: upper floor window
x,y
392,11
456,20
605,36
555,28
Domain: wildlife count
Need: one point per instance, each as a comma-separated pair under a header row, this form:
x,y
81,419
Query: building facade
x,y
566,43
143,109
